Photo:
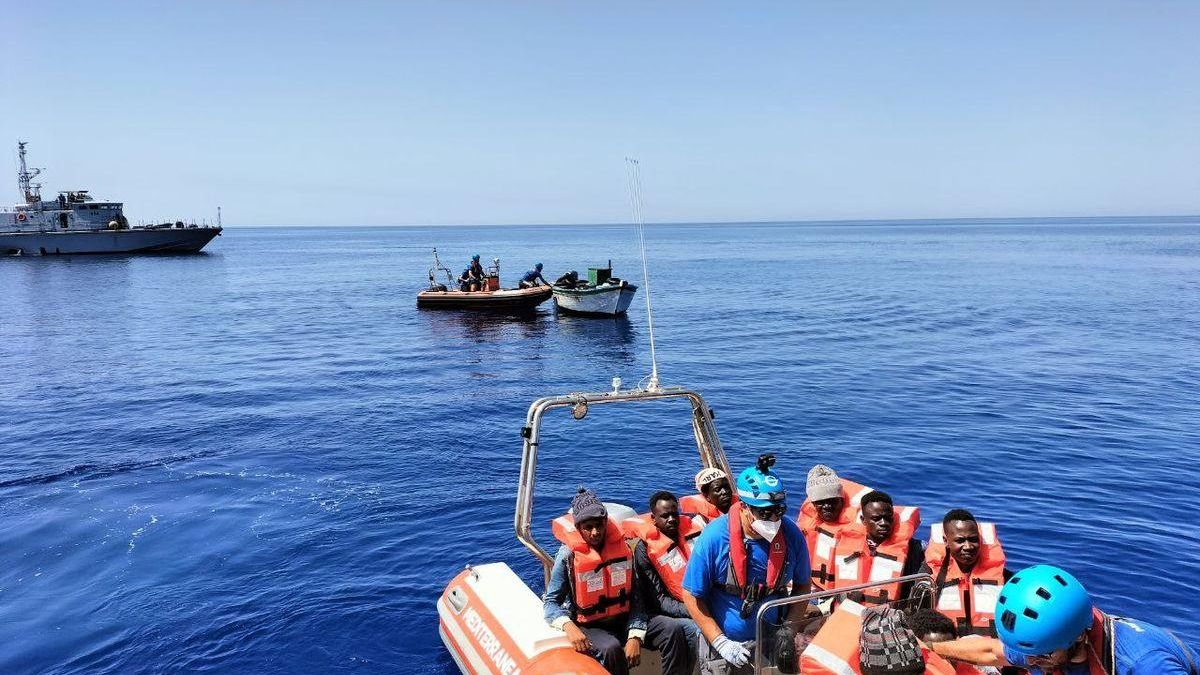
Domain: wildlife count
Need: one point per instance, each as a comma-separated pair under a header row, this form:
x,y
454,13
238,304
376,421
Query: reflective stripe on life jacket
x,y
834,649
739,559
700,506
602,581
820,535
669,557
854,564
968,599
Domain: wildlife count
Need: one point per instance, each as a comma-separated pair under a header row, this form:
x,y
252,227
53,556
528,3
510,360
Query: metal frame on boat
x,y
489,619
760,622
703,428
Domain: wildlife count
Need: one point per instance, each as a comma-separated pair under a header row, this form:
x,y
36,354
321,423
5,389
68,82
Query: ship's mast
x,y
30,190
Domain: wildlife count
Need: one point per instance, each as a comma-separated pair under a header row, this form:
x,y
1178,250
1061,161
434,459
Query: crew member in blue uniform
x,y
1047,624
742,559
472,278
533,278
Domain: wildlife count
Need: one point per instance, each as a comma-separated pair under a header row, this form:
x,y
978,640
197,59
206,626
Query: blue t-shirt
x,y
1142,649
709,563
531,275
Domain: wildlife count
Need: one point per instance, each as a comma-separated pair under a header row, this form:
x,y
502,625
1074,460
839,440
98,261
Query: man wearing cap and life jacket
x,y
715,498
742,559
967,563
660,556
879,547
1047,625
593,597
832,504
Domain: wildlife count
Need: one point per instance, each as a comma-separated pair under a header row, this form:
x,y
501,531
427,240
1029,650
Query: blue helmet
x,y
759,486
1042,609
475,258
537,266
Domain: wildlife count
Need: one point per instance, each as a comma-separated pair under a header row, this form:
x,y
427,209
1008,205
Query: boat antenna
x,y
639,219
32,192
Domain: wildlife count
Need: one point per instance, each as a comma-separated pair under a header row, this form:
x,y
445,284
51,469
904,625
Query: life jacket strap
x,y
604,604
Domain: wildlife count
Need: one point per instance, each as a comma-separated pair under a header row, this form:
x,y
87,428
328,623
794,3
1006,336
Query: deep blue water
x,y
265,459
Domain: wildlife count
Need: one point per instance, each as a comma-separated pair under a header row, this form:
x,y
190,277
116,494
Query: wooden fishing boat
x,y
601,295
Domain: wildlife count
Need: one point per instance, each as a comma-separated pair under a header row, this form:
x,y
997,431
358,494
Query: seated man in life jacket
x,y
533,278
715,498
741,559
931,626
877,548
593,597
660,557
472,278
967,564
829,507
1047,625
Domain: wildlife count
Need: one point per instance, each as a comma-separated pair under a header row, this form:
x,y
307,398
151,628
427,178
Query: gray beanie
x,y
823,483
586,505
887,645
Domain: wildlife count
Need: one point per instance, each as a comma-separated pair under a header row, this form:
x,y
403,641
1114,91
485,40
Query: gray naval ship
x,y
77,223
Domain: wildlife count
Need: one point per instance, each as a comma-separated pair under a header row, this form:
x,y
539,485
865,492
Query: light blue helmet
x,y
1042,609
759,486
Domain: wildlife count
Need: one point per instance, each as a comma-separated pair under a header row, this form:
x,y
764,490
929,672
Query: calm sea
x,y
264,459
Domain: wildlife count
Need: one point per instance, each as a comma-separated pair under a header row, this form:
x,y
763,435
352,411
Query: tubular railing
x,y
760,618
703,428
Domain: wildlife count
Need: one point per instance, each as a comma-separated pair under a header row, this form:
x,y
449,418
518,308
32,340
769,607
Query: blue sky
x,y
467,113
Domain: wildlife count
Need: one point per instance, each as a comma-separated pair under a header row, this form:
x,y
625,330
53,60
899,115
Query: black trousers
x,y
663,634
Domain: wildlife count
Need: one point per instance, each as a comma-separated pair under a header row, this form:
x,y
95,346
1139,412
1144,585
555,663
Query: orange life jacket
x,y
820,535
854,564
1102,655
700,506
669,557
739,560
602,580
968,599
834,649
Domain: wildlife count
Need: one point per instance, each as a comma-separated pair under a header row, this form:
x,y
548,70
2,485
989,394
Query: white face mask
x,y
767,528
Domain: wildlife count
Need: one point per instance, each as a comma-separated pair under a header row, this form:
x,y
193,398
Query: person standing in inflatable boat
x,y
742,559
593,596
1047,624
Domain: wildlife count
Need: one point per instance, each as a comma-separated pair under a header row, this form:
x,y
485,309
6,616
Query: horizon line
x,y
837,221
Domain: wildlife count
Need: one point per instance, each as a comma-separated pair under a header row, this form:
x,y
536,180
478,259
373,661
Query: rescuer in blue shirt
x,y
725,584
1047,624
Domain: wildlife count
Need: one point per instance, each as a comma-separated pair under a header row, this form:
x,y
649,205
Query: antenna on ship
x,y
30,190
635,195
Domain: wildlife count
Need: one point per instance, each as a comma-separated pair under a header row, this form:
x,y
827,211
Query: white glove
x,y
734,652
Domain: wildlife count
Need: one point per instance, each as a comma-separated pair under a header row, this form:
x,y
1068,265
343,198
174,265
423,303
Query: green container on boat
x,y
599,275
